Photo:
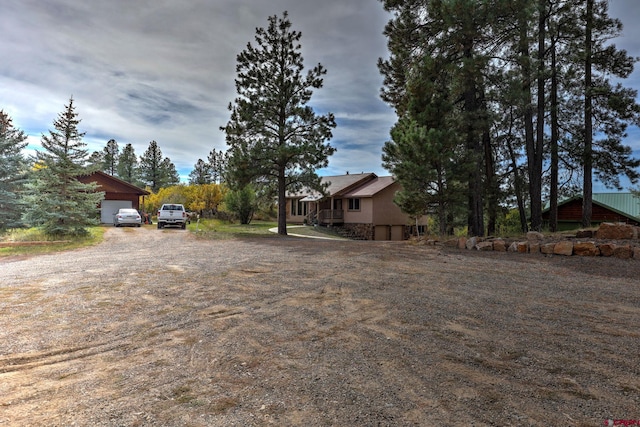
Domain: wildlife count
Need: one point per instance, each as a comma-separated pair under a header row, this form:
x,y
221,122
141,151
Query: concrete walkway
x,y
289,227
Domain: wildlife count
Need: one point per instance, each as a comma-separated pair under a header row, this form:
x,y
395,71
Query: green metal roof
x,y
624,203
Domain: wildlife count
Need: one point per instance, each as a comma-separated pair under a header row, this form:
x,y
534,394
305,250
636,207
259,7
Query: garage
x,y
108,208
117,194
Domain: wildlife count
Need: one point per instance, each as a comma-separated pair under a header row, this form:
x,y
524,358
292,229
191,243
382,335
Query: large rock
x,y
617,231
563,248
547,248
523,247
534,247
462,243
586,249
534,236
471,242
624,252
484,246
606,249
636,253
499,245
513,247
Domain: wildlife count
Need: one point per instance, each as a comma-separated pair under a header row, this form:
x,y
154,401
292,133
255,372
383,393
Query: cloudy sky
x,y
163,70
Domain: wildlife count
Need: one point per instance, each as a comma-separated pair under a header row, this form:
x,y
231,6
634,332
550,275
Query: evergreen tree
x,y
218,163
95,161
243,203
155,170
128,166
424,153
169,173
150,167
201,173
56,201
457,34
111,153
12,171
275,138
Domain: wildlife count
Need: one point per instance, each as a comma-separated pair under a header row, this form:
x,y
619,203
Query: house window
x,y
298,207
354,204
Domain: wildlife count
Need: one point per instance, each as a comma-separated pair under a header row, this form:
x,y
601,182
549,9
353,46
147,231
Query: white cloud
x,y
164,70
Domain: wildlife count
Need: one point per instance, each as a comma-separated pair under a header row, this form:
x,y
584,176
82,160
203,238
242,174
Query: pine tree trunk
x,y
282,203
535,180
555,135
587,189
536,209
474,148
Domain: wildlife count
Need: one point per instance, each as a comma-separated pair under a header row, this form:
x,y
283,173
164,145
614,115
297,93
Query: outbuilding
x,y
117,194
606,207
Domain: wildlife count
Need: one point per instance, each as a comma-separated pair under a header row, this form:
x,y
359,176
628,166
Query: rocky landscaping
x,y
617,240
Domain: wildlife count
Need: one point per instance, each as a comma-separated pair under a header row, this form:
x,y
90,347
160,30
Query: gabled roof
x,y
626,204
112,184
349,185
341,183
371,188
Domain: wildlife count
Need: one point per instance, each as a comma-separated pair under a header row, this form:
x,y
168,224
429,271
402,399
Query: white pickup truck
x,y
172,214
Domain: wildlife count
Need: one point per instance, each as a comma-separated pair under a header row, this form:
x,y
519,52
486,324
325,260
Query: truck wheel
x,y
159,225
184,225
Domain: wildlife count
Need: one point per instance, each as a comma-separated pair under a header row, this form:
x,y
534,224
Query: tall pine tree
x,y
56,200
128,166
12,172
111,152
275,137
155,170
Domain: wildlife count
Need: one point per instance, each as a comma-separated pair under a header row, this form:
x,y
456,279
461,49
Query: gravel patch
x,y
159,327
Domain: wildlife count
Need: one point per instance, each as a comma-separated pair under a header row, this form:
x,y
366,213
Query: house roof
x,y
349,185
340,184
112,184
371,188
626,204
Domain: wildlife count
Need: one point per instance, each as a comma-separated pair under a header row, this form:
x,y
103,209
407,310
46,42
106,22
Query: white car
x,y
127,217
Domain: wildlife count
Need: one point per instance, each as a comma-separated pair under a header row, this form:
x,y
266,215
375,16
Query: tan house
x,y
361,203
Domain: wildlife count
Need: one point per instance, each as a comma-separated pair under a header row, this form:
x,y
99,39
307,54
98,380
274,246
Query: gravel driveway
x,y
160,328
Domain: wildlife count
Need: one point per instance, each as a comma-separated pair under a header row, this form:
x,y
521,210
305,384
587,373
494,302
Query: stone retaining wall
x,y
610,240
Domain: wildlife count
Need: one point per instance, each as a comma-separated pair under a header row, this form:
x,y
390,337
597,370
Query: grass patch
x,y
217,229
46,244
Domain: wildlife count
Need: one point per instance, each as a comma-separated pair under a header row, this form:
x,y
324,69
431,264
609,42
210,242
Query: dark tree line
x,y
505,102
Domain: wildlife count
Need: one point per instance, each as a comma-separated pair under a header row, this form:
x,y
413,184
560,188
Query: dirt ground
x,y
160,328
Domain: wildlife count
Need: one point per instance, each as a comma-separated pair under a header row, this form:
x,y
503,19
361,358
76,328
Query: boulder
x,y
624,252
499,245
471,242
586,249
534,247
636,253
484,246
617,231
513,247
563,248
606,249
462,243
547,248
523,247
534,236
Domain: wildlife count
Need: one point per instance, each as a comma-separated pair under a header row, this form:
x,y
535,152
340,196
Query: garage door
x,y
110,207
